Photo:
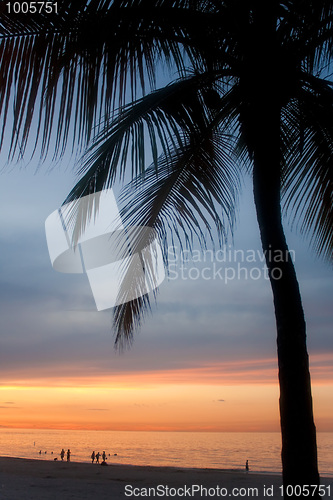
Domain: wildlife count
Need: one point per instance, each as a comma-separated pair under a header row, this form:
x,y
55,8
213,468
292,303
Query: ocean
x,y
220,450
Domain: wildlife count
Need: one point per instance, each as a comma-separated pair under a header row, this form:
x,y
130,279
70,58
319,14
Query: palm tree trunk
x,y
299,449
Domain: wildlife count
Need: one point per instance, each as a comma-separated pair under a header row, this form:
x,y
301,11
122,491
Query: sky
x,y
204,360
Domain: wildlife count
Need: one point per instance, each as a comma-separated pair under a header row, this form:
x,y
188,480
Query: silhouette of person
x,y
104,456
68,455
97,457
62,454
247,466
92,457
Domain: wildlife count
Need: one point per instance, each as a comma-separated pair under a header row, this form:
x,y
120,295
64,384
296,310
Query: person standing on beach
x,y
62,454
104,456
68,455
92,457
97,457
247,466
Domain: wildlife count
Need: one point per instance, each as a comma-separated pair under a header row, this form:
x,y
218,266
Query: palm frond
x,y
161,117
193,190
192,183
128,318
308,174
92,54
305,29
141,273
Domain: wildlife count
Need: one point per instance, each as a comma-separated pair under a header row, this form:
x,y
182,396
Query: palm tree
x,y
252,92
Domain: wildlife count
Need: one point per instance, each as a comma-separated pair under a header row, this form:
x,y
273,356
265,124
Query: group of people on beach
x,y
62,455
96,456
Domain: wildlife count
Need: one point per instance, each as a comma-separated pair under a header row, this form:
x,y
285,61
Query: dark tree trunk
x,y
299,449
263,84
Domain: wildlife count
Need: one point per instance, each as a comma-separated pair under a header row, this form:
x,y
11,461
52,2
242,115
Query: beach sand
x,y
22,479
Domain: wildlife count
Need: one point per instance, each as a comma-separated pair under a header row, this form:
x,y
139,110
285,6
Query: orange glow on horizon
x,y
234,396
162,407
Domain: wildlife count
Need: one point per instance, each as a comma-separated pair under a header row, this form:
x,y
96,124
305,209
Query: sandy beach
x,y
22,479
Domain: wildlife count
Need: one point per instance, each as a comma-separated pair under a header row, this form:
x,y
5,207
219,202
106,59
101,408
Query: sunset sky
x,y
204,360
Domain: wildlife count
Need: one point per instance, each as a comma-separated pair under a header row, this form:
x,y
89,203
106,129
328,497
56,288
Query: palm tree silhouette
x,y
252,92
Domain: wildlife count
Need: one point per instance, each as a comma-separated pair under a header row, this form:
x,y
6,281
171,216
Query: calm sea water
x,y
182,449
